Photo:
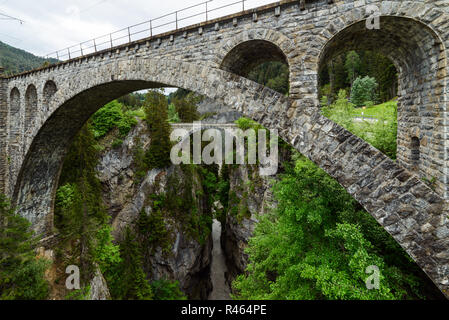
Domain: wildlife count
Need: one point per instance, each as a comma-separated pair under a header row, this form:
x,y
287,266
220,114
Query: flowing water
x,y
220,289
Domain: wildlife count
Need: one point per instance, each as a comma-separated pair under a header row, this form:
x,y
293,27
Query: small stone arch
x,y
242,52
50,89
30,105
15,132
420,59
14,112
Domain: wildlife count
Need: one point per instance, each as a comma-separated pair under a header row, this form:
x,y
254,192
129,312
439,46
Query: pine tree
x,y
134,284
364,90
158,153
352,66
186,107
21,274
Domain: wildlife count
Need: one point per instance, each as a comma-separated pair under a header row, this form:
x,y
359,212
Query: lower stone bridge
x,y
41,111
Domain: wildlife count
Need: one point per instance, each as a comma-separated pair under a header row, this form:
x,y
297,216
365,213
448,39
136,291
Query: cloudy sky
x,y
50,25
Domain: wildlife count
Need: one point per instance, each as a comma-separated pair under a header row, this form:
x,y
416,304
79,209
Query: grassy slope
x,y
378,111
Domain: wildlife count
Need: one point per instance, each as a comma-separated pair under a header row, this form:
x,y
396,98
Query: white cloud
x,y
52,25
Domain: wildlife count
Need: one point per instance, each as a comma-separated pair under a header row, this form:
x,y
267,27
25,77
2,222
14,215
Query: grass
x,y
378,111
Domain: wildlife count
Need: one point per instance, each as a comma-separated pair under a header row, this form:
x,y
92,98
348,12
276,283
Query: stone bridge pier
x,y
42,110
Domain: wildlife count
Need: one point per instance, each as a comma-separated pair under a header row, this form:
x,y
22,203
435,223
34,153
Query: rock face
x,y
126,195
98,287
246,201
217,113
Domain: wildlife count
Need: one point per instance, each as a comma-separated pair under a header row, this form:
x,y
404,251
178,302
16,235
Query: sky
x,y
51,25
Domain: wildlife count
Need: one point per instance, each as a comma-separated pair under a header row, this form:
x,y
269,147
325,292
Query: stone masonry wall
x,y
3,135
191,58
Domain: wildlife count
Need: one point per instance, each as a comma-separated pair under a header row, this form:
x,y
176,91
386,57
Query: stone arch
x,y
50,89
276,38
14,123
249,54
246,50
408,209
420,58
30,105
84,93
15,133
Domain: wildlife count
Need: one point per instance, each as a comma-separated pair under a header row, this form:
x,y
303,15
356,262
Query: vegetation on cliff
x,y
21,272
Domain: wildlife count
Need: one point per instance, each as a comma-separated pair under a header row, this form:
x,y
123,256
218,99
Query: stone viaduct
x,y
42,110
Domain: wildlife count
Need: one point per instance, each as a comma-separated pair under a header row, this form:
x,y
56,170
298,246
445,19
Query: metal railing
x,y
144,30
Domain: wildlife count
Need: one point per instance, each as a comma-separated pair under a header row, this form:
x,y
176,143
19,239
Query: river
x,y
221,290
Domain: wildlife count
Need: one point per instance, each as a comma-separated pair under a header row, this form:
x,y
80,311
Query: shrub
x,y
363,89
112,116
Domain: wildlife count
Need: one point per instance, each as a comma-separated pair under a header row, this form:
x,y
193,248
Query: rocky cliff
x,y
181,252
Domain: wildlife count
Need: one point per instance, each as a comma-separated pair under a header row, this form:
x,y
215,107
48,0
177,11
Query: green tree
x,y
133,284
21,273
274,75
363,90
79,212
158,153
164,289
318,243
187,107
173,116
352,66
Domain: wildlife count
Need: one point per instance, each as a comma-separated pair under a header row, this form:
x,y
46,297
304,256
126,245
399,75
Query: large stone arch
x,y
409,36
84,93
413,214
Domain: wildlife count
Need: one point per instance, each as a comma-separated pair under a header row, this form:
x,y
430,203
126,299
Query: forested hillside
x,y
15,60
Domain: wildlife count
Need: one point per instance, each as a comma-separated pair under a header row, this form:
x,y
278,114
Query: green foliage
x,y
107,254
246,123
363,89
21,273
173,116
352,65
132,101
381,133
178,94
186,107
341,71
117,143
151,227
131,282
158,153
112,116
167,290
274,75
79,212
341,111
324,101
317,245
16,60
82,294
